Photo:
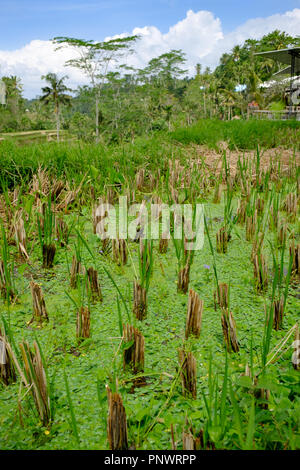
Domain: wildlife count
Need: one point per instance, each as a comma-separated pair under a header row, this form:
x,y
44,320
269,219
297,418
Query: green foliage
x,y
225,410
241,66
122,102
241,135
81,125
277,106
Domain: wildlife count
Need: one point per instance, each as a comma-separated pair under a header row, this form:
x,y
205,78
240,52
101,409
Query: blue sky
x,y
24,20
203,29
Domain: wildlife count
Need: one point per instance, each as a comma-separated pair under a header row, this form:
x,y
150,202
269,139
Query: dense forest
x,y
118,105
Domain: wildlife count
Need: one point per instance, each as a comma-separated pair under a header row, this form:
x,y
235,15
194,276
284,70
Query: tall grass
x,y
72,413
7,279
103,163
241,134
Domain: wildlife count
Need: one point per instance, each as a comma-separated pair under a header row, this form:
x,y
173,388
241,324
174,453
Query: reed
x,y
267,333
98,213
260,204
260,272
119,249
77,267
139,301
222,240
116,422
140,179
83,324
278,310
72,413
39,307
94,286
133,349
46,232
163,245
62,231
221,296
7,282
212,253
76,270
111,194
257,245
262,395
290,206
296,353
70,196
7,368
188,373
295,256
280,287
215,401
241,211
35,380
274,210
57,187
251,222
229,331
217,193
141,286
184,279
282,233
188,441
194,315
229,218
184,262
21,238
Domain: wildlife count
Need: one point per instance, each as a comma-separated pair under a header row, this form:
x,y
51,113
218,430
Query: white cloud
x,y
258,27
34,60
196,35
199,34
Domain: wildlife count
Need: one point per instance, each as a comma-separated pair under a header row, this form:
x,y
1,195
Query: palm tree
x,y
13,93
56,93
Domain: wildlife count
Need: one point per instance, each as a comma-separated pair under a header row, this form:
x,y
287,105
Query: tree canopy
x,y
120,101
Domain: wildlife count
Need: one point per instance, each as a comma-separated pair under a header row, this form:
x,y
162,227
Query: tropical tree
x,y
14,90
94,59
56,93
166,69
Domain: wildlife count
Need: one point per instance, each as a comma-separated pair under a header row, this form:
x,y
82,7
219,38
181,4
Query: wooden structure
x,y
291,58
269,114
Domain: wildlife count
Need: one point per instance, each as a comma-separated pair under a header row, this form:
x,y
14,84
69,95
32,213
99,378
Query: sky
x,y
203,29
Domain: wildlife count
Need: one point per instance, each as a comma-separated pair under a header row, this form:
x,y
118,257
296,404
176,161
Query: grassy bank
x,y
117,162
71,160
241,135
